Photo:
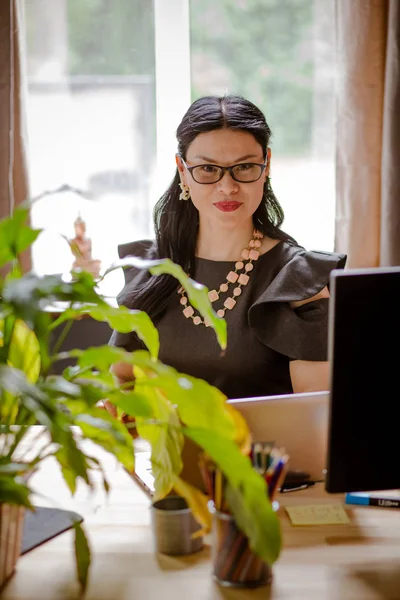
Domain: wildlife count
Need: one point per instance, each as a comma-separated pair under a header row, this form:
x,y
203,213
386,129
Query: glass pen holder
x,y
234,564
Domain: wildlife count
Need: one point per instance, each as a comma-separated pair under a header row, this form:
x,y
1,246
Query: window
x,y
91,124
280,55
109,80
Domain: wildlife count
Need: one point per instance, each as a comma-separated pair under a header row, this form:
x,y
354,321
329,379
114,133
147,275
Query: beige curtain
x,y
14,187
368,132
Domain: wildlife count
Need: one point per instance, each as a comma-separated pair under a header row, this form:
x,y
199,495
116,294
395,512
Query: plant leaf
x,y
197,502
197,293
199,404
82,555
12,468
119,318
57,386
13,490
243,436
15,383
166,441
247,494
133,403
15,235
106,431
101,357
72,459
28,294
24,352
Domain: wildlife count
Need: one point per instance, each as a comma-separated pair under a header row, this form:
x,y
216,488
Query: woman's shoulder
x,y
289,274
133,275
140,248
293,273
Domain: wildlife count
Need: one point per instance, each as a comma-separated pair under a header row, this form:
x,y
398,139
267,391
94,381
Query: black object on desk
x,y
44,524
364,333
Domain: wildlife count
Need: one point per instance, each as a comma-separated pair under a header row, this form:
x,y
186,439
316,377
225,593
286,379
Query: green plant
x,y
166,405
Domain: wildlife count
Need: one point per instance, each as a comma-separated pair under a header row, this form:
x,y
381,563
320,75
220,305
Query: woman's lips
x,y
228,206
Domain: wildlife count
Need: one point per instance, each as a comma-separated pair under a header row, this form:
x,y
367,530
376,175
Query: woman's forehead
x,y
224,144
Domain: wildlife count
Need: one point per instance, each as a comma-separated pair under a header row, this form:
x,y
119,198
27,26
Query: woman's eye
x,y
244,167
209,168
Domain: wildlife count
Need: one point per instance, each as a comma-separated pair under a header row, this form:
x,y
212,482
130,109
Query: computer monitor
x,y
364,355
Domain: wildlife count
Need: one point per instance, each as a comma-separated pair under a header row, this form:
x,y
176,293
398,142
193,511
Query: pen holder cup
x,y
173,527
233,563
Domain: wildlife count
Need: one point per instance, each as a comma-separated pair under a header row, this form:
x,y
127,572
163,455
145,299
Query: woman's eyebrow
x,y
211,160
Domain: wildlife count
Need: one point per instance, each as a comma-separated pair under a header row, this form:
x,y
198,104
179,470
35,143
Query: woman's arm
x,y
124,374
307,375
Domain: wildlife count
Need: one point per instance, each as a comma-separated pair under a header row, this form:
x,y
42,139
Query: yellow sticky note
x,y
317,514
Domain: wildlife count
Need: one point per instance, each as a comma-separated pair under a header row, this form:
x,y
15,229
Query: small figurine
x,y
81,247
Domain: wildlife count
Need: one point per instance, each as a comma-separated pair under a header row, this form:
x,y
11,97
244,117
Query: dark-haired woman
x,y
220,220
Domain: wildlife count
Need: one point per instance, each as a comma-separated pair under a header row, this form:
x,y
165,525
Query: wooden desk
x,y
360,561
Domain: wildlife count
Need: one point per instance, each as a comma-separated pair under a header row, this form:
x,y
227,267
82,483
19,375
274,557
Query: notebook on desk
x,y
298,422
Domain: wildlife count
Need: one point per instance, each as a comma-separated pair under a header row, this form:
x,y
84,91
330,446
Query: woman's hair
x,y
176,222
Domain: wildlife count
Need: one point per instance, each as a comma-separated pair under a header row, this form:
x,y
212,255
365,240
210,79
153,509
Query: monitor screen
x,y
364,402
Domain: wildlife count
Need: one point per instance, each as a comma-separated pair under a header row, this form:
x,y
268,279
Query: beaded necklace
x,y
239,276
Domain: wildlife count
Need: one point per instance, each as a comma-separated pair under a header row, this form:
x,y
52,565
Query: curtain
x,y
368,132
14,185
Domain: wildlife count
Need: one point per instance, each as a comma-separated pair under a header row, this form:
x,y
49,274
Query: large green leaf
x,y
24,351
197,293
166,441
199,404
197,502
13,490
15,235
86,376
247,493
73,464
102,429
14,382
121,319
27,296
100,357
132,403
82,555
56,386
88,389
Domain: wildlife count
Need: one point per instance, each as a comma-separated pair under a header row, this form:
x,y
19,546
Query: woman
x,y
220,220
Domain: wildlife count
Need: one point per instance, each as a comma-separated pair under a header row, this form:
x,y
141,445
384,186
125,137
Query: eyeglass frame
x,y
223,171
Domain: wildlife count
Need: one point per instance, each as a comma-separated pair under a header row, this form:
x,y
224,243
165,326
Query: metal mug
x,y
173,526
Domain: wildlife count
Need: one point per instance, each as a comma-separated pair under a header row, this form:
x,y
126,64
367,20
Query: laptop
x,y
297,422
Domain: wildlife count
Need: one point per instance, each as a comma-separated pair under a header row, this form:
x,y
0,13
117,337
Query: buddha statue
x,y
81,247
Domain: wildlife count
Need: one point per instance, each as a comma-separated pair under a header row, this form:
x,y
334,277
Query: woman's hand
x,y
124,374
107,405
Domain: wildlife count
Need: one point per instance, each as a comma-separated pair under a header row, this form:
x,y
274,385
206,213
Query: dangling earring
x,y
185,193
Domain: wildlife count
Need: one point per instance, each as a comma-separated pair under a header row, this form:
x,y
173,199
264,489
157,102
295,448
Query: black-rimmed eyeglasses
x,y
242,172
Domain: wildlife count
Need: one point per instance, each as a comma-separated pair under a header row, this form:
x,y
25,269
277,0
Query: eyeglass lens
x,y
245,173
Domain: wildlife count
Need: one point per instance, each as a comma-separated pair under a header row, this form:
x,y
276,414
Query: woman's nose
x,y
227,184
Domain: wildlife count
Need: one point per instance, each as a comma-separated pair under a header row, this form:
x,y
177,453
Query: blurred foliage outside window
x,y
92,109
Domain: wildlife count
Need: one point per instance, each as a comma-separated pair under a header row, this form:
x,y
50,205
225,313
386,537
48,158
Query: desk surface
x,y
359,561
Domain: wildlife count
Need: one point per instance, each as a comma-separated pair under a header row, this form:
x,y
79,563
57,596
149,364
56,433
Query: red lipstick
x,y
228,206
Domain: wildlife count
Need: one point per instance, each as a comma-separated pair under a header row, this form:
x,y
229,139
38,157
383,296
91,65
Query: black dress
x,y
264,332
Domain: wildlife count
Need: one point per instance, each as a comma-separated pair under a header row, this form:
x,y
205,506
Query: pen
x,y
218,489
297,487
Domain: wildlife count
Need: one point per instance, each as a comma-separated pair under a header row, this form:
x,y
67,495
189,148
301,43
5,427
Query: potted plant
x,y
167,406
